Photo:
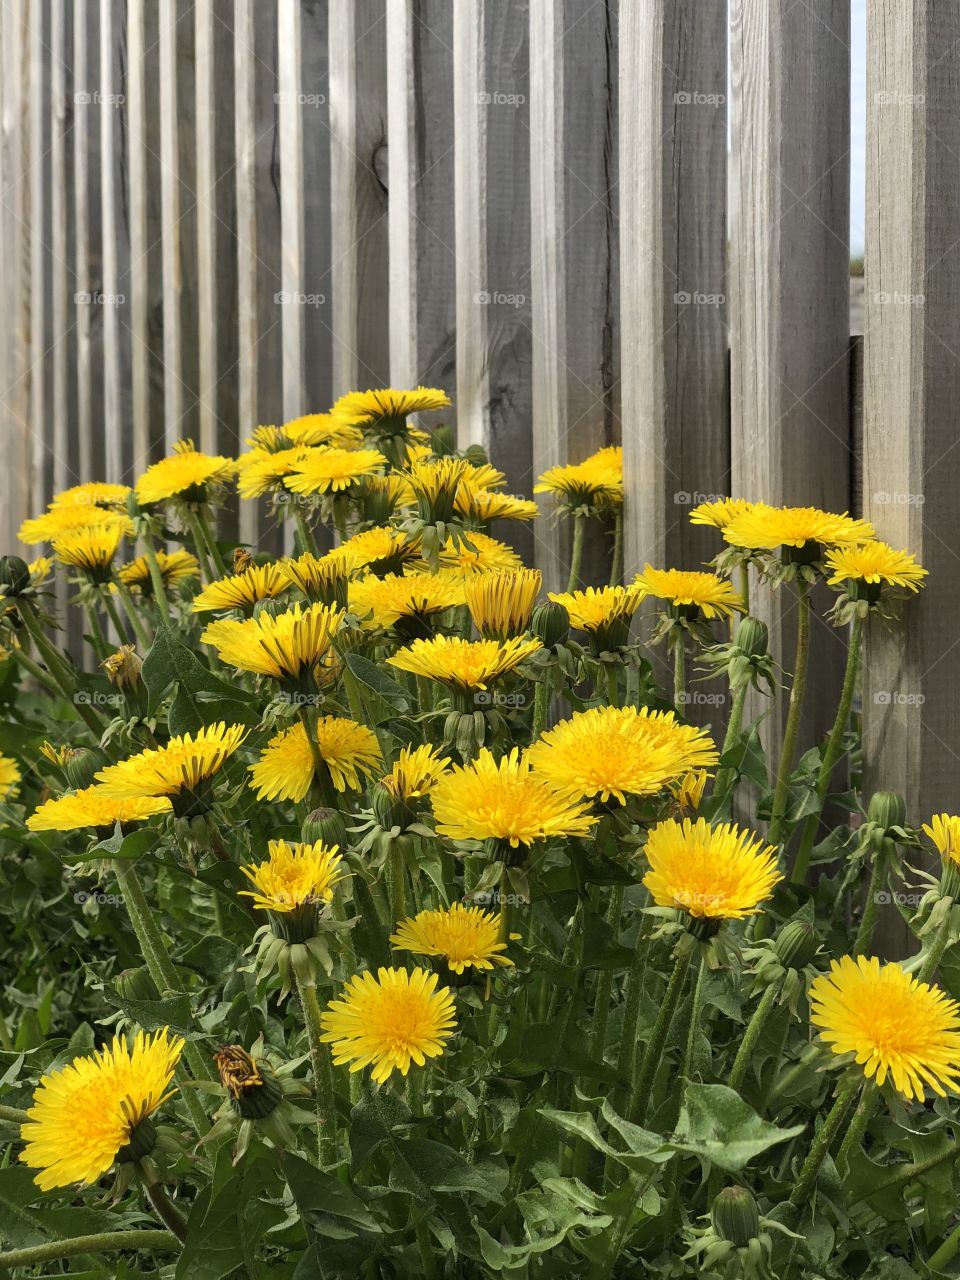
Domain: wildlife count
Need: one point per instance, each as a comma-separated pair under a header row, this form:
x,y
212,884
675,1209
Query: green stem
x,y
209,538
831,752
576,557
791,732
613,686
726,778
99,641
752,1035
902,1175
307,541
695,1006
322,1074
643,1084
165,1209
13,1115
122,629
857,1127
807,1179
745,587
616,569
133,616
631,1004
679,673
321,772
946,1253
104,1242
425,1245
540,699
397,883
156,578
208,573
57,669
937,948
868,920
601,1007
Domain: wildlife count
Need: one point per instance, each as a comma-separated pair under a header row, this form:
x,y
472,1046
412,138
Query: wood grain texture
x,y
492,212
789,287
37,177
317,205
420,182
173,385
248,329
289,93
912,389
575,256
673,124
358,160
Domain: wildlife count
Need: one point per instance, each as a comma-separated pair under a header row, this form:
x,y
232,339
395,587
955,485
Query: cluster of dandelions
x,y
396,571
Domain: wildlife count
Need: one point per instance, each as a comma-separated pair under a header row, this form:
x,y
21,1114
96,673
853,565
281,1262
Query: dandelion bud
x,y
550,623
887,809
79,768
326,826
796,944
242,559
388,809
254,1093
136,984
443,441
14,575
735,1216
123,667
752,637
476,455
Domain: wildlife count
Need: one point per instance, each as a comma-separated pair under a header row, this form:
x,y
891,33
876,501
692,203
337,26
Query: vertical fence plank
x,y
85,56
139,244
420,181
291,203
673,76
315,123
37,221
912,389
573,173
492,212
358,113
173,391
207,310
113,424
248,332
15,265
64,402
789,285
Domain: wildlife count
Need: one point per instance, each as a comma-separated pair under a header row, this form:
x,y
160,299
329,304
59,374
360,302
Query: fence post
x,y
289,90
420,182
912,391
358,137
789,288
574,271
673,71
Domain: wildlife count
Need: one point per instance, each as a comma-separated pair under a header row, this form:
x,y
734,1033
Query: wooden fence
x,y
224,212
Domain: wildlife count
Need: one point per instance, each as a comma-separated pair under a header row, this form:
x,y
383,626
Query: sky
x,y
858,125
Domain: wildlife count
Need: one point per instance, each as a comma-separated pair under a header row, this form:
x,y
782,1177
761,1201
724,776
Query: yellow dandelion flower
x,y
383,495
482,475
319,578
387,408
480,506
322,428
266,437
40,569
263,470
389,1021
93,807
181,769
505,800
416,772
175,567
717,873
434,486
406,603
84,1115
381,550
293,876
97,493
893,1024
466,937
596,480
875,563
765,528
10,777
284,646
715,597
186,474
484,555
58,521
285,768
58,755
90,550
944,830
242,590
688,792
613,752
463,664
333,470
598,608
718,514
501,604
